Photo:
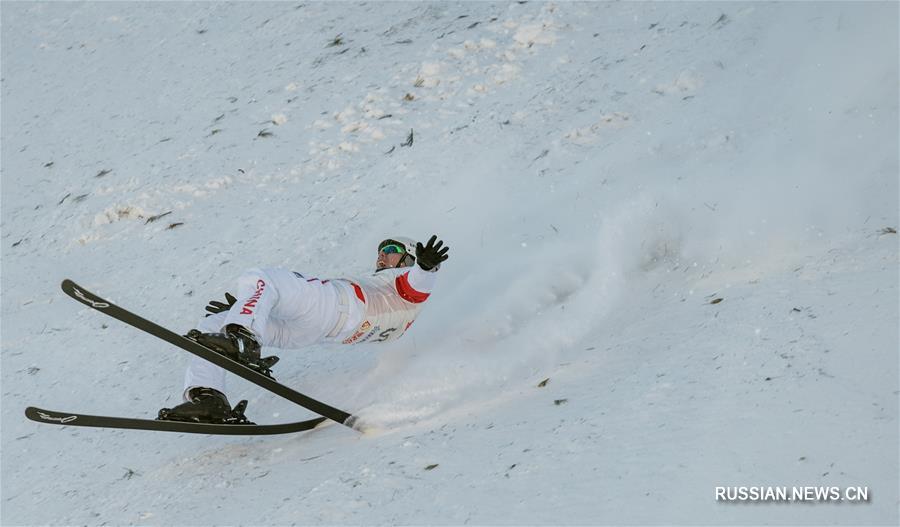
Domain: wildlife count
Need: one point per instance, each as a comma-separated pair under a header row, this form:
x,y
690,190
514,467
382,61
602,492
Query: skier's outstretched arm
x,y
415,286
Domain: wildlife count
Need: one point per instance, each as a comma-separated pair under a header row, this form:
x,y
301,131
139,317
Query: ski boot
x,y
206,405
238,344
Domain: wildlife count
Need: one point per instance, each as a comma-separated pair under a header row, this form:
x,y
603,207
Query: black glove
x,y
220,307
430,256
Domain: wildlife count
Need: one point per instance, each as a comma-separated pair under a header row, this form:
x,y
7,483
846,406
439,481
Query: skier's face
x,y
387,260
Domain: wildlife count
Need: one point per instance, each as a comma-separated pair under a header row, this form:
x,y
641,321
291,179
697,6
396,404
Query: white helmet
x,y
408,245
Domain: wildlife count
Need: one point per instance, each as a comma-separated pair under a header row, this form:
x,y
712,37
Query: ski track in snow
x,y
676,213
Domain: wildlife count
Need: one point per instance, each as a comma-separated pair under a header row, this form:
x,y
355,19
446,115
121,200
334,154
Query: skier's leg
x,y
257,295
204,389
200,372
265,293
264,296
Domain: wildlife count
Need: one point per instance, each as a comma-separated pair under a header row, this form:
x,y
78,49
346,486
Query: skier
x,y
285,309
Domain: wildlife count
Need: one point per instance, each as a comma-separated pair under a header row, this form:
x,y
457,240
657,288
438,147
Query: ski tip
x,y
33,413
67,284
48,416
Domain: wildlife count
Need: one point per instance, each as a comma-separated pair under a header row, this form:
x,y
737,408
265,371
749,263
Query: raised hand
x,y
431,255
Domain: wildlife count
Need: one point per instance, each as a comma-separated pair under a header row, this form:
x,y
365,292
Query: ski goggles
x,y
393,248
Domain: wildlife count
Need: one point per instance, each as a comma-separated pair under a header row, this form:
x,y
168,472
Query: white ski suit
x,y
288,310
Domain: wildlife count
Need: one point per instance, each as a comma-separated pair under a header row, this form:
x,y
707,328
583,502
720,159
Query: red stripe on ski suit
x,y
359,293
407,292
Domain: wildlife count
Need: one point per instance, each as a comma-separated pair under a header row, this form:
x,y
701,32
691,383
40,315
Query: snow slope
x,y
678,213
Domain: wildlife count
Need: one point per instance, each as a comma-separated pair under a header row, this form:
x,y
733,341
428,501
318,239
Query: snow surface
x,y
603,172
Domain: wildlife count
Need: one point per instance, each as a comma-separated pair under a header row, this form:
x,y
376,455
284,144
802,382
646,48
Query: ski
x,y
102,421
100,304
